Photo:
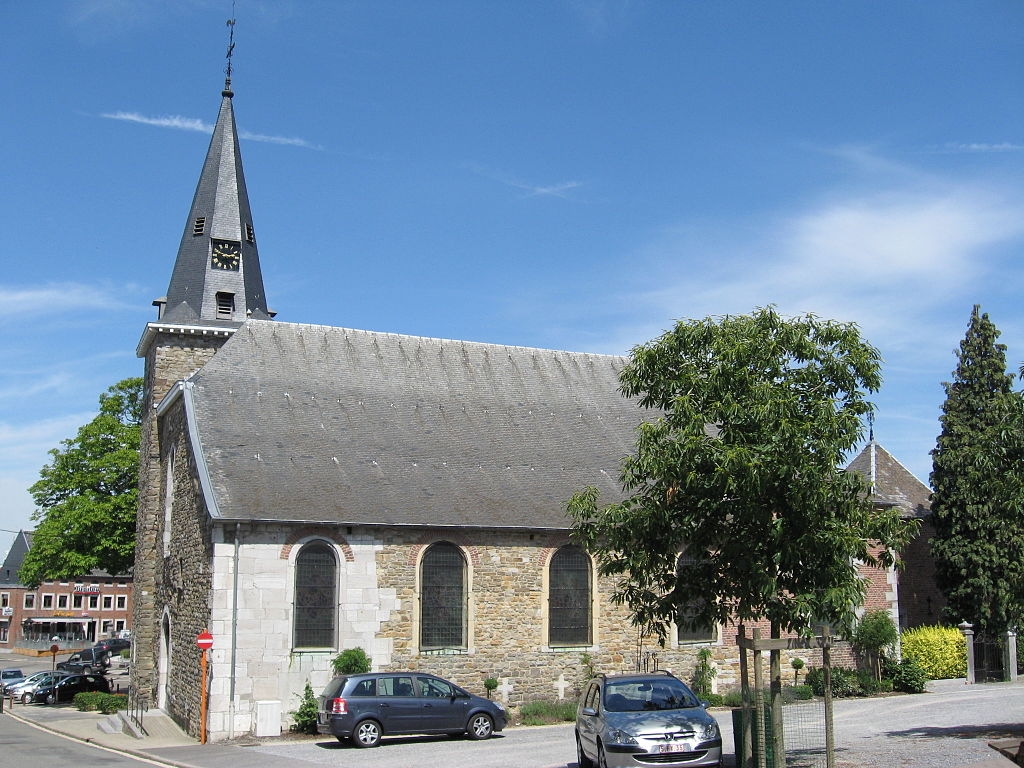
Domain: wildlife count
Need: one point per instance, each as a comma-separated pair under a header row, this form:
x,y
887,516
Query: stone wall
x,y
250,616
251,619
184,580
169,358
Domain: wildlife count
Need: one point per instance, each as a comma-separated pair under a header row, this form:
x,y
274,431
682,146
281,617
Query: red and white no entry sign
x,y
204,640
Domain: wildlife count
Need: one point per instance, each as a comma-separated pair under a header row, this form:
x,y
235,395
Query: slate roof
x,y
15,557
892,483
222,202
323,424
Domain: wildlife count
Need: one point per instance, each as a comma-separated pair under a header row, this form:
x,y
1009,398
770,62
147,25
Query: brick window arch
x,y
315,615
569,597
443,597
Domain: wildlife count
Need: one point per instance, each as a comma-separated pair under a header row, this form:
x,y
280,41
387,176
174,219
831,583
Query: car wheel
x,y
26,698
581,757
602,760
51,698
367,734
480,726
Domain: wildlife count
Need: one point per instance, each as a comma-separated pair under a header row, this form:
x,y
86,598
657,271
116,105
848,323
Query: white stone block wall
x,y
266,667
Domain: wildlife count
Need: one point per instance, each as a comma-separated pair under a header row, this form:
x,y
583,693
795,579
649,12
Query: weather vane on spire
x,y
231,50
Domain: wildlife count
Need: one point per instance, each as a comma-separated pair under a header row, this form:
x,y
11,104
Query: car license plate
x,y
675,746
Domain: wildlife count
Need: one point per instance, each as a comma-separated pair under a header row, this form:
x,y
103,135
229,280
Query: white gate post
x,y
968,630
1010,656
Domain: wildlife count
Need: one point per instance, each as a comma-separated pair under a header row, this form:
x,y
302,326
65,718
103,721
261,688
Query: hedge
x,y
107,703
940,651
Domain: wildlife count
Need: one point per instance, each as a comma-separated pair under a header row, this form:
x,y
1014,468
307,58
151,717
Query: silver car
x,y
626,721
25,689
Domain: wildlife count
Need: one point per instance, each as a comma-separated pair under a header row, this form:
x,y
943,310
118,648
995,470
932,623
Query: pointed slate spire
x,y
216,275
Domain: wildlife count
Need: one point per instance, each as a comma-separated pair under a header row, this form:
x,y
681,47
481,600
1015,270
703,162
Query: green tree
x,y
876,636
351,661
738,466
87,495
978,487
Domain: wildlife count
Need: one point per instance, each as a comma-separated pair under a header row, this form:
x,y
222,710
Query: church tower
x,y
216,284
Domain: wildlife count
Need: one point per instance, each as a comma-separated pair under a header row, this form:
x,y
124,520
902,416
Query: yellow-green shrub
x,y
941,651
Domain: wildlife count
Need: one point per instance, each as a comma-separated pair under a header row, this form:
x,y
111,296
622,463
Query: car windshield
x,y
644,695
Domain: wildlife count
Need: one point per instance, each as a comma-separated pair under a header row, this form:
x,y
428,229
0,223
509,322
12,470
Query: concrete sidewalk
x,y
163,743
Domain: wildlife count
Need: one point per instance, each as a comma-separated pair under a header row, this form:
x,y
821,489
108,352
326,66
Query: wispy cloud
x,y
170,121
23,452
290,142
180,123
559,189
901,251
980,147
892,262
56,298
552,190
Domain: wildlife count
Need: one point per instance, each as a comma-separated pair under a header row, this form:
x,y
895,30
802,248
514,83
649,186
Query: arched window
x,y
687,631
569,597
316,596
443,597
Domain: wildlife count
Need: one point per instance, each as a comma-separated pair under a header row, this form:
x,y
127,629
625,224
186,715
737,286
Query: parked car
x,y
25,689
627,720
113,645
89,660
10,676
367,706
65,688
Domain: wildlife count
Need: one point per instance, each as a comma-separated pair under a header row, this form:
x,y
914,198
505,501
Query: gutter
x,y
234,636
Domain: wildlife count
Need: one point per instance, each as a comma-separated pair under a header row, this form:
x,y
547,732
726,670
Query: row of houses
x,y
69,614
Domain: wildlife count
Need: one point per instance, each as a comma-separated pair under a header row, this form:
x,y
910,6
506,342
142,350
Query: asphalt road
x,y
947,728
24,745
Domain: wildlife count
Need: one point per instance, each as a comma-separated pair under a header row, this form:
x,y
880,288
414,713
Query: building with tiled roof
x,y
920,601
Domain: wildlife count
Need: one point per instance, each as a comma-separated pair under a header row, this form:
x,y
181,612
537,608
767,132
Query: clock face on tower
x,y
225,254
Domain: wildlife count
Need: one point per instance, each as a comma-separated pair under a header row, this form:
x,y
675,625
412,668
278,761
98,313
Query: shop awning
x,y
60,620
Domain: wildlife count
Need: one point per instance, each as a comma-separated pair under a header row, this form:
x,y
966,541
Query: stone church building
x,y
308,489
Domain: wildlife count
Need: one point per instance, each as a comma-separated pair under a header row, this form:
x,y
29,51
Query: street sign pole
x,y
204,641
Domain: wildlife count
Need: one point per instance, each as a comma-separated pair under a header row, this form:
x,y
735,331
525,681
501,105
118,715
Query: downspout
x,y
234,637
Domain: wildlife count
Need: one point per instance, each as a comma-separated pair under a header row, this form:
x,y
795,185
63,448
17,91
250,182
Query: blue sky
x,y
559,173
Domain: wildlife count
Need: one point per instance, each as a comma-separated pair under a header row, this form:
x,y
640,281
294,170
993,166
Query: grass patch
x,y
547,712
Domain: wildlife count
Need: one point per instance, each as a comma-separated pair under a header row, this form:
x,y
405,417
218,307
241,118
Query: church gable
x,y
891,482
322,424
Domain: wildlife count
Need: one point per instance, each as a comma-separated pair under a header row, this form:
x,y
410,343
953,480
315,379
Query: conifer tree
x,y
977,486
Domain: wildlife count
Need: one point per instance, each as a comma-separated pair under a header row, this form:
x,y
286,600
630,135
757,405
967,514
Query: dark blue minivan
x,y
367,706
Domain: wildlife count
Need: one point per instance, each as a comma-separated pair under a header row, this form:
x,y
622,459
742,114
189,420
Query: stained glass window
x,y
316,602
443,598
569,598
